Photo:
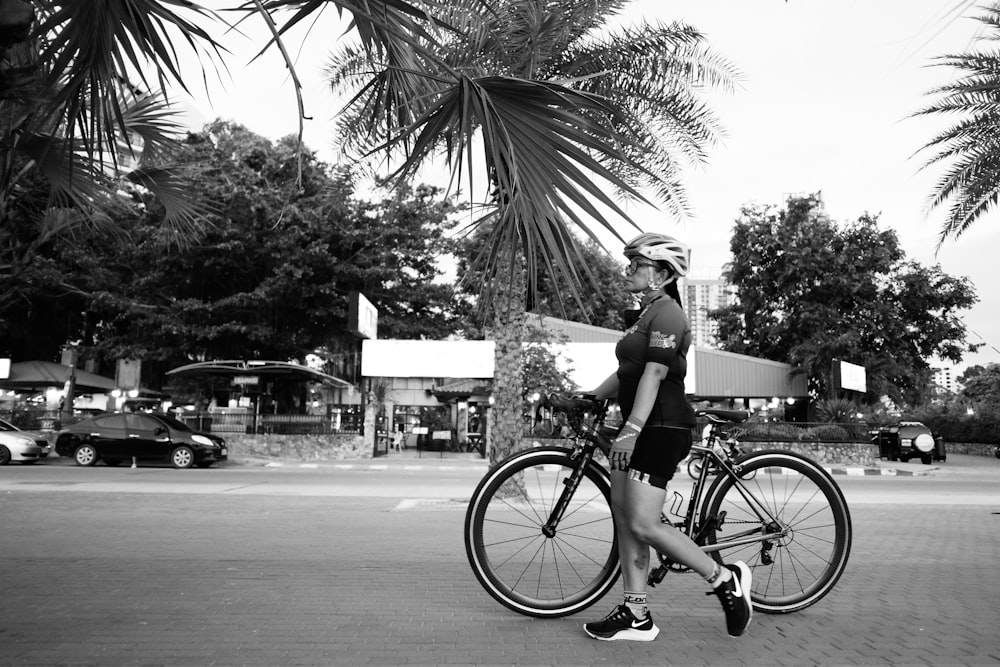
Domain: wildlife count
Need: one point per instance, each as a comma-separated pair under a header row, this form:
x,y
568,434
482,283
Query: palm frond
x,y
972,146
185,219
89,46
540,141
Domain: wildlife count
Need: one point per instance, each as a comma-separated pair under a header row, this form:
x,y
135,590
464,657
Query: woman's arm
x,y
608,388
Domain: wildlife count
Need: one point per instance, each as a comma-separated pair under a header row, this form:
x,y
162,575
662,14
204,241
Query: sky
x,y
825,104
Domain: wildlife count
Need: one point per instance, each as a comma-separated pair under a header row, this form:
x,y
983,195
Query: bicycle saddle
x,y
735,416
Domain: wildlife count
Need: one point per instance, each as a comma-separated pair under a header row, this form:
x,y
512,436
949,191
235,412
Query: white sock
x,y
719,576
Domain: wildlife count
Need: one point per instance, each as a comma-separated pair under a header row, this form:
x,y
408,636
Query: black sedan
x,y
117,437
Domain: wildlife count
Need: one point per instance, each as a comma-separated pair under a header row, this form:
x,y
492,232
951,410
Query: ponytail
x,y
671,290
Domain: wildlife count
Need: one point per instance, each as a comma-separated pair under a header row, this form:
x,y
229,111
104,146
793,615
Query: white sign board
x,y
4,369
427,358
853,377
362,316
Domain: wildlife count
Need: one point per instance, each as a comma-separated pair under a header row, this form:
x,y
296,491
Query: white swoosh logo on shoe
x,y
638,624
737,585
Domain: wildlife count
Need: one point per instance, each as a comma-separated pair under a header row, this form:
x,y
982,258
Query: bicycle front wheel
x,y
539,573
789,523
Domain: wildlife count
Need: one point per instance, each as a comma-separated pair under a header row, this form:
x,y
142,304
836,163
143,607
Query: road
x,y
335,565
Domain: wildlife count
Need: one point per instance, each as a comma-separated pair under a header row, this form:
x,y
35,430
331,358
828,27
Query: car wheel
x,y
112,462
4,456
182,457
85,455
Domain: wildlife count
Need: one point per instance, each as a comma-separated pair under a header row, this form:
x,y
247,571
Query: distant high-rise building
x,y
702,296
944,380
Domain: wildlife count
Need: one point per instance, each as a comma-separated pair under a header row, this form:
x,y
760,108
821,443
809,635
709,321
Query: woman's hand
x,y
624,445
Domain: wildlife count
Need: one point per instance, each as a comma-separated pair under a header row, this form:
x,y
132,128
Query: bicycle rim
x,y
798,567
515,562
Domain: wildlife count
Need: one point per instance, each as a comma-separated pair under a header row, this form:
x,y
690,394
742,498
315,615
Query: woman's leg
x,y
641,507
632,552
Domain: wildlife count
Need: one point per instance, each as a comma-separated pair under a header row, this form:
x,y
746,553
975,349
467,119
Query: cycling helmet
x,y
661,248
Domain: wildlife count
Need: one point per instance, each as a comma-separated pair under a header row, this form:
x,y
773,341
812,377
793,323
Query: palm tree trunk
x,y
508,332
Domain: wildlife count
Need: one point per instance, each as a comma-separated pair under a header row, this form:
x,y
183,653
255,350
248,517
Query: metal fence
x,y
240,422
39,419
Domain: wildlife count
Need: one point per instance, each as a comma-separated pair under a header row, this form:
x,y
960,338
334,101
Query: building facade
x,y
701,296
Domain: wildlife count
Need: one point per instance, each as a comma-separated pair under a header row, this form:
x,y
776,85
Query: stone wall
x,y
973,448
332,447
863,454
825,453
337,447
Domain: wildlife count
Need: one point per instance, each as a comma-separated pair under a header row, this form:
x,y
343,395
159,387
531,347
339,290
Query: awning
x,y
35,375
250,372
461,390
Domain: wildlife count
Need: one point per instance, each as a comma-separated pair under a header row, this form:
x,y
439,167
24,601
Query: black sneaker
x,y
622,624
735,598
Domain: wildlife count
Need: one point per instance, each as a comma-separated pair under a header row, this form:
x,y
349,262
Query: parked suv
x,y
908,440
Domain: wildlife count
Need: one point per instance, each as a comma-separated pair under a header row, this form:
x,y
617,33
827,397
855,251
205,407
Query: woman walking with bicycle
x,y
649,385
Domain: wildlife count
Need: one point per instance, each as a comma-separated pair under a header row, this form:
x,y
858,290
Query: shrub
x,y
830,433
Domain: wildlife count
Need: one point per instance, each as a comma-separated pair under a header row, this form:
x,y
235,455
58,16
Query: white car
x,y
23,446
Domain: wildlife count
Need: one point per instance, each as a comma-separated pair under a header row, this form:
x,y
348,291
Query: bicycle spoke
x,y
804,529
518,561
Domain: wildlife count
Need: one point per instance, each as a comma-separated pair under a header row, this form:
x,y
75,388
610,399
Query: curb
x,y
377,466
483,467
880,472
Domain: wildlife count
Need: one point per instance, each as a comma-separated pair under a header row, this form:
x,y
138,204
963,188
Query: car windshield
x,y
174,423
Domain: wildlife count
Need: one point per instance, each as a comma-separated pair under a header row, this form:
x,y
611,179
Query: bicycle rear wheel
x,y
798,503
519,565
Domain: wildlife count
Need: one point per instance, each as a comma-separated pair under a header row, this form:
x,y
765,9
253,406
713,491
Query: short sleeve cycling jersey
x,y
661,335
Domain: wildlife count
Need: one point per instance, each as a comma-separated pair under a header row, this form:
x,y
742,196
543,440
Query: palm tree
x,y
84,91
972,181
566,109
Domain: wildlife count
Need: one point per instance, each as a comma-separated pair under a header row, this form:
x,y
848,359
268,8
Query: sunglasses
x,y
635,264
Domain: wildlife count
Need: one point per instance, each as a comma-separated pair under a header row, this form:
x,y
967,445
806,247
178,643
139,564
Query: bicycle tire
x,y
694,466
518,565
792,572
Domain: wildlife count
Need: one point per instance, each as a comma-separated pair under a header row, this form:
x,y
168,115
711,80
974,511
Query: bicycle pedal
x,y
656,575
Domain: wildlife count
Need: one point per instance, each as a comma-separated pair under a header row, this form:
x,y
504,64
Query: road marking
x,y
429,504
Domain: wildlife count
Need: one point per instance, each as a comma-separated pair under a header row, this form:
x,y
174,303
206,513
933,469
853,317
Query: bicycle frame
x,y
699,498
589,438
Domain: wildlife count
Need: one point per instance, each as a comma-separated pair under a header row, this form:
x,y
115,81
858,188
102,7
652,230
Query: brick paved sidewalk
x,y
128,579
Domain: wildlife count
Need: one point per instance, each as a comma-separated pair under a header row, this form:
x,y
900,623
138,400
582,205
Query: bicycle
x,y
540,538
714,436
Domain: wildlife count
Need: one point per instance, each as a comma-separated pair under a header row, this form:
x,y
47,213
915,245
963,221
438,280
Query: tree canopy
x,y
810,291
271,276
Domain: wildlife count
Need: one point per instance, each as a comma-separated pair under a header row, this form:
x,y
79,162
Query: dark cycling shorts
x,y
658,450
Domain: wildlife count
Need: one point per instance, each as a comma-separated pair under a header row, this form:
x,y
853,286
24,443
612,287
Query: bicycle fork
x,y
570,485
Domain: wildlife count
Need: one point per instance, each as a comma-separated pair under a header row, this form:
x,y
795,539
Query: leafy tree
x,y
981,385
543,373
271,278
810,291
972,143
566,106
